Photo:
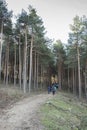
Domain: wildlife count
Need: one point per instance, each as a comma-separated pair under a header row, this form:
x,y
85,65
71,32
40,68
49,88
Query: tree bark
x,y
15,64
24,62
79,76
5,66
68,80
20,68
41,76
1,42
73,80
35,71
59,75
86,79
30,70
7,63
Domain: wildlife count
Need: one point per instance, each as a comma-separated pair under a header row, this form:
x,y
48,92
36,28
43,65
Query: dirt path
x,y
23,114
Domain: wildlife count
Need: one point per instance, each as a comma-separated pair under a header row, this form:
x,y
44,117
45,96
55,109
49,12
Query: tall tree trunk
x,y
20,68
59,75
30,70
79,76
24,62
1,42
41,76
35,71
15,64
73,81
68,80
7,64
86,79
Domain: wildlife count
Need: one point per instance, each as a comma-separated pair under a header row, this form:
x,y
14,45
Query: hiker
x,y
49,89
53,89
57,85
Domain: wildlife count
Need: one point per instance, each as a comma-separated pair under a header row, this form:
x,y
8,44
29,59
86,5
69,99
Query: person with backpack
x,y
53,89
49,89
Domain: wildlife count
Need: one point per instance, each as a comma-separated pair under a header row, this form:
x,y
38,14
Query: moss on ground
x,y
64,113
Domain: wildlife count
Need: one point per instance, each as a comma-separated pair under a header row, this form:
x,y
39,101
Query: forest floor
x,y
41,111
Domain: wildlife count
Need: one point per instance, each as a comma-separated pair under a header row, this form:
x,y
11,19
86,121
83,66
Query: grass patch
x,y
64,113
9,96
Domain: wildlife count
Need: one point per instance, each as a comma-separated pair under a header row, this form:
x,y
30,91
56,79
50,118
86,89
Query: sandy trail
x,y
22,115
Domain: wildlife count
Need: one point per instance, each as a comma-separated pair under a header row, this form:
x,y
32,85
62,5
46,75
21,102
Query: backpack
x,y
54,88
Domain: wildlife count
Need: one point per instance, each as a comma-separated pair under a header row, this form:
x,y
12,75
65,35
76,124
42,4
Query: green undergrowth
x,y
12,94
9,96
64,112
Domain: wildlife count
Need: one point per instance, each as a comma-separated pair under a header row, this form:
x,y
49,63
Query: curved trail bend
x,y
22,115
